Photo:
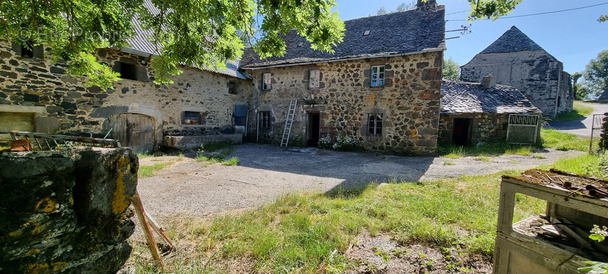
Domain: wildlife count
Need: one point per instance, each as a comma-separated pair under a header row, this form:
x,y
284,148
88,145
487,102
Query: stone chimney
x,y
426,4
488,81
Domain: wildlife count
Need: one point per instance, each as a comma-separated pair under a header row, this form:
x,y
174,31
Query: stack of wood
x,y
604,136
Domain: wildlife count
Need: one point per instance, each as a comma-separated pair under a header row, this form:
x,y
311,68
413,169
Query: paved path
x,y
267,172
580,127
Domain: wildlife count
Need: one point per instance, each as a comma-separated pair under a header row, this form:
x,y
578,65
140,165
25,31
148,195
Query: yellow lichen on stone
x,y
32,251
37,268
46,205
120,201
59,266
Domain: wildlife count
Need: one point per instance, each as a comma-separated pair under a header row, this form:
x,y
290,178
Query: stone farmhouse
x,y
381,87
518,61
479,112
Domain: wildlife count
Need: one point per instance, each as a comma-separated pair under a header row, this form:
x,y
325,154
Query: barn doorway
x,y
134,130
314,124
461,131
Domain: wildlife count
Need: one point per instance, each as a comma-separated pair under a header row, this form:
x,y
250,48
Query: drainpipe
x,y
247,119
257,131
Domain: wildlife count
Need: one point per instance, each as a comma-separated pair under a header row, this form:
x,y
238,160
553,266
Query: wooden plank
x,y
139,209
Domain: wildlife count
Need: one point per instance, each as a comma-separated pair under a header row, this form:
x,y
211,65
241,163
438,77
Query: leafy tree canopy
x,y
596,73
202,33
451,70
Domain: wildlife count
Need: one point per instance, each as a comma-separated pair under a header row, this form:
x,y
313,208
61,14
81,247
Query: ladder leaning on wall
x,y
291,113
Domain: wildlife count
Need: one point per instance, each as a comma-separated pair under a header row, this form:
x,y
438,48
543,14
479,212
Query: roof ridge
x,y
513,40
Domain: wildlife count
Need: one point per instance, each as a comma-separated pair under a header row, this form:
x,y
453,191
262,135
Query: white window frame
x,y
266,81
375,123
314,79
377,76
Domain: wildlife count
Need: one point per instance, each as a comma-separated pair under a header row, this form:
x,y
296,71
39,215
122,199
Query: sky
x,y
573,37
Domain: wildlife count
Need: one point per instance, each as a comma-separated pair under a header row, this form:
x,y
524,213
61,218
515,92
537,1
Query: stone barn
x,y
518,61
476,112
37,95
381,87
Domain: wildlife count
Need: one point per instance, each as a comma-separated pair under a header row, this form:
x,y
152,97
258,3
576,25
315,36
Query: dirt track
x,y
267,172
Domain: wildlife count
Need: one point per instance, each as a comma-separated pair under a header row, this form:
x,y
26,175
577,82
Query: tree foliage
x,y
451,70
200,33
381,11
596,73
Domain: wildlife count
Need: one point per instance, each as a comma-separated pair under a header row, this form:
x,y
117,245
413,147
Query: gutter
x,y
345,59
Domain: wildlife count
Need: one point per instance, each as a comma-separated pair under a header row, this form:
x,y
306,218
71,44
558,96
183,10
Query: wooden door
x,y
134,130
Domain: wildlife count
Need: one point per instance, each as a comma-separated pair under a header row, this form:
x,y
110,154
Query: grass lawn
x,y
310,232
149,171
549,139
579,111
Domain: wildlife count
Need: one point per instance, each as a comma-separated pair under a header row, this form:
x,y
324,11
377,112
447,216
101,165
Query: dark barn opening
x,y
461,131
314,123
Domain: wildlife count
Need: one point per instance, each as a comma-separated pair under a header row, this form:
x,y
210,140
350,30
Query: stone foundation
x,y
66,211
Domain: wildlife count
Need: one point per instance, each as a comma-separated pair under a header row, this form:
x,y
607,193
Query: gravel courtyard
x,y
266,172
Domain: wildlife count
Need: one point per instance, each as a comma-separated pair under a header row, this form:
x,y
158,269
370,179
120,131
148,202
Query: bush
x,y
325,143
345,144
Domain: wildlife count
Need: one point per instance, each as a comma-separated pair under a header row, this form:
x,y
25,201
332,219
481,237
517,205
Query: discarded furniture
x,y
557,242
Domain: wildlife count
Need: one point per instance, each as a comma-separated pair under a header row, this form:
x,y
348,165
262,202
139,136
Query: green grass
x,y
586,164
448,163
486,150
483,159
579,111
149,171
563,141
216,153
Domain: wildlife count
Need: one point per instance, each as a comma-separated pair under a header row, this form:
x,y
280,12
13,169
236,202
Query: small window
x,y
128,71
231,87
264,119
192,118
313,79
374,124
377,76
266,81
27,50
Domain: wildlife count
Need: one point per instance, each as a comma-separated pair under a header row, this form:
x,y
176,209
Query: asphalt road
x,y
580,127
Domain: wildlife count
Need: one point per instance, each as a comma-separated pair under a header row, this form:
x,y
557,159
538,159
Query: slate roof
x,y
139,42
392,34
467,97
603,98
513,40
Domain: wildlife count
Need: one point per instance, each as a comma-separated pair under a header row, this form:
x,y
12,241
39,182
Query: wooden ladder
x,y
291,113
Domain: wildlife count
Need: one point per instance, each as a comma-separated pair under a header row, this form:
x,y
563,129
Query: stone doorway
x,y
460,135
314,125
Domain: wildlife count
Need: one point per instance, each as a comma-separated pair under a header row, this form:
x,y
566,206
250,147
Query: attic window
x,y
266,81
27,50
232,87
128,71
366,33
313,78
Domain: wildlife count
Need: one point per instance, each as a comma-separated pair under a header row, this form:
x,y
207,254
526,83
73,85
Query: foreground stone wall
x,y
66,211
62,104
484,127
537,74
409,102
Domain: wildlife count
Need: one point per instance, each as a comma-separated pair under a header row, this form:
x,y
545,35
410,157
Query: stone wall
x,y
66,211
70,107
484,127
409,102
535,73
